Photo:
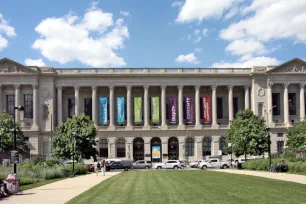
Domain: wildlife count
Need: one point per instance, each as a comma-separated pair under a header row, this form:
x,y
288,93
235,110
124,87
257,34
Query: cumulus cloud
x,y
246,47
189,58
248,62
177,4
92,40
33,62
6,31
125,13
205,31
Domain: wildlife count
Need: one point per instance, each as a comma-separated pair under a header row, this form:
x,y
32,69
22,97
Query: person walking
x,y
97,167
103,167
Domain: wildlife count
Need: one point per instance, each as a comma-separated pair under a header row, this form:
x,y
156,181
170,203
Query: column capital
x,y
214,87
246,87
76,87
163,87
197,87
269,84
59,86
180,87
111,87
146,87
94,87
17,86
128,87
286,85
230,87
302,85
35,86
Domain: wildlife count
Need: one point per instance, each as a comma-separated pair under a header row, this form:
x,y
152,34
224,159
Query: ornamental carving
x,y
260,92
291,67
8,66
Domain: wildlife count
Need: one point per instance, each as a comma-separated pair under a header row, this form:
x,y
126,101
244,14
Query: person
x,y
97,167
3,188
103,167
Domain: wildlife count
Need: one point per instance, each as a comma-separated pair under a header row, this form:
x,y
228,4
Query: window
x,y
222,145
292,103
141,162
280,134
206,146
88,107
28,106
190,147
103,145
280,147
10,102
260,109
235,105
276,103
71,103
121,148
219,108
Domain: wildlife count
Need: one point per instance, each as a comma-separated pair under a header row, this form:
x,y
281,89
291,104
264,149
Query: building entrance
x,y
138,149
173,148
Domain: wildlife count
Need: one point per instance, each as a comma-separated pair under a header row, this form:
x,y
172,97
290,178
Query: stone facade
x,y
261,89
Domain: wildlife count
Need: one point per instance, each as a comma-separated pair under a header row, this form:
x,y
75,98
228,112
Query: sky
x,y
152,33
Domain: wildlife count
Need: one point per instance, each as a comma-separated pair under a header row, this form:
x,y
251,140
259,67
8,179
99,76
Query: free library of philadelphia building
x,y
153,113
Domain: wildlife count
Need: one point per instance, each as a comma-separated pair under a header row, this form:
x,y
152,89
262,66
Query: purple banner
x,y
188,104
172,109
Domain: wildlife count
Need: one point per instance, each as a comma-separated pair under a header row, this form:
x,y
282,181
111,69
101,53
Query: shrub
x,y
27,181
38,159
51,162
79,169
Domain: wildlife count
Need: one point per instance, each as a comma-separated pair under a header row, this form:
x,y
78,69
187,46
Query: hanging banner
x,y
172,109
189,115
137,109
103,111
206,108
120,110
155,109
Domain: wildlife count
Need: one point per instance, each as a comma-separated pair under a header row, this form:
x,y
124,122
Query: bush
x,y
51,162
38,159
79,169
27,181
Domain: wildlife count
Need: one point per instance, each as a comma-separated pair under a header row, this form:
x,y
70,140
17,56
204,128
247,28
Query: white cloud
x,y
204,32
5,30
197,31
197,40
248,63
177,3
246,47
33,62
197,10
232,12
189,58
91,40
125,13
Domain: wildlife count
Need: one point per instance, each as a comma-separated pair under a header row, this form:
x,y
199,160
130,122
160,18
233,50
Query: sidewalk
x,y
278,176
58,192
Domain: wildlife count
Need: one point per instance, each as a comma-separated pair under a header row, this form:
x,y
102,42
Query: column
x,y
215,145
59,105
182,147
129,125
286,104
180,104
1,98
35,125
164,141
214,106
197,107
246,97
230,103
253,93
163,107
17,102
302,101
111,107
198,147
77,100
94,105
270,105
129,148
111,147
147,148
146,107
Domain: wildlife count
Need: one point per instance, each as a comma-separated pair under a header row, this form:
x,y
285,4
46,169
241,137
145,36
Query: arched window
x,y
103,146
120,148
207,146
190,147
222,145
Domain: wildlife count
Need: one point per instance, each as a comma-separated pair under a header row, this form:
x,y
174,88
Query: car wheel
x,y
175,167
182,167
126,169
204,167
147,167
159,168
224,167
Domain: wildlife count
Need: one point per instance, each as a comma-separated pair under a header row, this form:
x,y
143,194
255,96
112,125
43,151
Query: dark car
x,y
91,167
119,164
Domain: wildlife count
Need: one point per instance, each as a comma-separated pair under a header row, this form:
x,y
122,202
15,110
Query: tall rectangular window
x,y
10,103
276,103
71,104
260,109
280,147
236,105
28,106
219,108
88,107
292,103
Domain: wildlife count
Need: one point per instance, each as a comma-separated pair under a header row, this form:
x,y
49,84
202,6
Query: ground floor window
x,y
103,146
222,145
190,147
10,102
121,148
280,147
206,146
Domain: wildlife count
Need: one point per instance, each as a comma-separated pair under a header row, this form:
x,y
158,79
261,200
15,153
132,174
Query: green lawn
x,y
189,187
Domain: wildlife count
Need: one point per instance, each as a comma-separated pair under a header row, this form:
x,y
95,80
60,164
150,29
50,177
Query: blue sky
x,y
160,33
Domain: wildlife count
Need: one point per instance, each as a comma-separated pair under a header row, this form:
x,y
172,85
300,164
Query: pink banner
x,y
206,108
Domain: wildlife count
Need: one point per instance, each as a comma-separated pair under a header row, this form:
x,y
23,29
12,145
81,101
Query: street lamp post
x,y
230,145
269,139
18,108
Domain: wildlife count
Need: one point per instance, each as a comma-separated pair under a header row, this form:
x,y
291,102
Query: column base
x,y
164,127
181,127
146,127
34,127
112,127
129,127
215,126
198,127
271,125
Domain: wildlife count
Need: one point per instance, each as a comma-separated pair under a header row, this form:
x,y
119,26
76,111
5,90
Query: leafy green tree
x,y
84,140
7,134
247,134
297,136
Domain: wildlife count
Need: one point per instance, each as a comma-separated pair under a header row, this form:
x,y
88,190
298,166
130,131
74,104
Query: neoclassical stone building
x,y
153,113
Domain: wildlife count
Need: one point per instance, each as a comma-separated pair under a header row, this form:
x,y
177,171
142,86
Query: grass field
x,y
190,187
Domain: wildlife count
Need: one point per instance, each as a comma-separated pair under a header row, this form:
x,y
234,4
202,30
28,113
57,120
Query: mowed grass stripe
x,y
192,187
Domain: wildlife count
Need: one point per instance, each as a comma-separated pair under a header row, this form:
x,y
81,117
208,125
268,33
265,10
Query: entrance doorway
x,y
156,150
138,149
173,148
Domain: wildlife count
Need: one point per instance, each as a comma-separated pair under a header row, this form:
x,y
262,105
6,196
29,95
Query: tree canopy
x,y
84,140
247,134
7,134
297,136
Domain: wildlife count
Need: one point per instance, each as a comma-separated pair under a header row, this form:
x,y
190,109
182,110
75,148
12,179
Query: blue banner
x,y
103,111
120,110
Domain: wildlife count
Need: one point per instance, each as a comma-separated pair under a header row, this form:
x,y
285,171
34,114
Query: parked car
x,y
91,167
214,163
142,164
170,164
238,161
183,165
119,164
69,162
193,164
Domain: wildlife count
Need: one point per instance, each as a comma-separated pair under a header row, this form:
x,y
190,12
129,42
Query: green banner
x,y
155,109
137,109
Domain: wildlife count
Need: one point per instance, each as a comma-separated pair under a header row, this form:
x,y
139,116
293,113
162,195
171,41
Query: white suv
x,y
170,164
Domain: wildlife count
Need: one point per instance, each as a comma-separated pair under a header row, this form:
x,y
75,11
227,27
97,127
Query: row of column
x,y
146,105
18,103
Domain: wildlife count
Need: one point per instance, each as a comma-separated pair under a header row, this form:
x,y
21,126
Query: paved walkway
x,y
58,192
278,176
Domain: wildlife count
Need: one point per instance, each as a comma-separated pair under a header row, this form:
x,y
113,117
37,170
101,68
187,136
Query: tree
x,y
297,136
7,134
84,141
247,134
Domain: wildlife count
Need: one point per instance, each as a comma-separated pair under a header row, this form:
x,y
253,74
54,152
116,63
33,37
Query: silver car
x,y
142,164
